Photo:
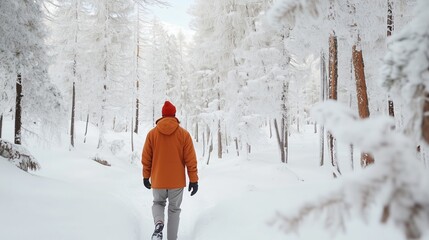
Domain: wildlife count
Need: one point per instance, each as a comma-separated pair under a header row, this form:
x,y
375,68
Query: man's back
x,y
168,149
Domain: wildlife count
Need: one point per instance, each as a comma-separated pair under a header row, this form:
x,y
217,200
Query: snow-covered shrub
x,y
396,184
116,146
135,157
18,155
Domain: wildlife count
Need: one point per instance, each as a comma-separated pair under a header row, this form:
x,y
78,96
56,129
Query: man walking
x,y
167,151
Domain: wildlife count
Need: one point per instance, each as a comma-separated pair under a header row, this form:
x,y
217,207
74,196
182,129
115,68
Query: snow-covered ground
x,y
73,197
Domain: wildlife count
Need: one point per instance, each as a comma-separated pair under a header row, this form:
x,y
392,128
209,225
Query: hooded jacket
x,y
167,151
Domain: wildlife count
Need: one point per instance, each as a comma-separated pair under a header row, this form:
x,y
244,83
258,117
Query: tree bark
x,y
72,115
333,90
323,80
279,141
136,127
390,27
196,132
73,109
132,136
333,67
1,124
86,127
362,97
425,121
18,109
236,147
219,133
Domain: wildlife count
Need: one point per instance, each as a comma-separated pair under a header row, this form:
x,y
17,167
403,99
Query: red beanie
x,y
168,110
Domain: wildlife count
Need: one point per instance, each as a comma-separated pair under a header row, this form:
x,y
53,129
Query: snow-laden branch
x,y
396,183
405,70
18,155
285,11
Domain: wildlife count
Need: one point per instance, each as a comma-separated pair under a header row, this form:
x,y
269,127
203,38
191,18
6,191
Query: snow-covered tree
x,y
24,66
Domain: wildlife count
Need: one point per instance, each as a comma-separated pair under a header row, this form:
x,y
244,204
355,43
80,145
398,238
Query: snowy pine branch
x,y
285,11
396,183
405,70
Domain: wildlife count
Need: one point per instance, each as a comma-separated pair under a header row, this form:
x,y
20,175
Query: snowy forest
x,y
309,117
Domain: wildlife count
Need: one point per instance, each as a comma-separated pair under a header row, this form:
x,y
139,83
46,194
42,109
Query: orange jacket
x,y
167,150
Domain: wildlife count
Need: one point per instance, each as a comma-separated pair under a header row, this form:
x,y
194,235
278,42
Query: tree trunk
x,y
196,132
104,90
333,89
73,108
204,144
279,141
1,124
333,67
236,147
425,121
219,133
136,127
210,150
323,80
18,109
362,97
390,28
285,120
132,136
86,127
286,141
72,115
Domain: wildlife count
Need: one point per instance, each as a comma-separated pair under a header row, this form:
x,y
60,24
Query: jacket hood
x,y
167,125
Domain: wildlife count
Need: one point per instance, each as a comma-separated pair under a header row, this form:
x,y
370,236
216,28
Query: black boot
x,y
157,234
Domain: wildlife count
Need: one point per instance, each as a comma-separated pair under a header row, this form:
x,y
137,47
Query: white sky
x,y
176,16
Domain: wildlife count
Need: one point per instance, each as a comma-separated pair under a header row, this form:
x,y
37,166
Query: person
x,y
168,149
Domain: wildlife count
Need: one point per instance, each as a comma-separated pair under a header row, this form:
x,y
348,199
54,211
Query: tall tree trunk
x,y
1,124
285,120
333,67
390,28
362,97
136,127
73,109
219,133
18,109
280,142
236,147
196,132
132,136
323,80
86,127
72,115
333,90
283,132
425,121
219,141
286,140
104,91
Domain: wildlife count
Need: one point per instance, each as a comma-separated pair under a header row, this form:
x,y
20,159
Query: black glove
x,y
194,187
147,183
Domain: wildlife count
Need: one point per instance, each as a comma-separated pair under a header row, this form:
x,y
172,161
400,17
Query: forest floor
x,y
240,197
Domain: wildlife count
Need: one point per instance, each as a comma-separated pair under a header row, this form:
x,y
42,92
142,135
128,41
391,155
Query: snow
x,y
73,197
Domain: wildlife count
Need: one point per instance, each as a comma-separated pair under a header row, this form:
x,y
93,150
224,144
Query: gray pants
x,y
174,197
